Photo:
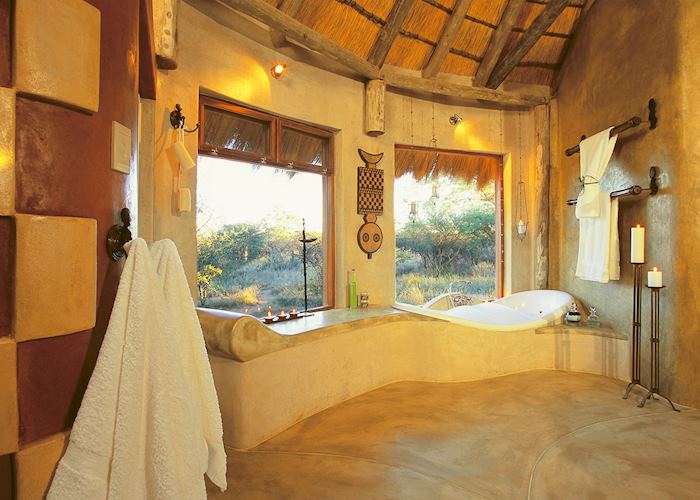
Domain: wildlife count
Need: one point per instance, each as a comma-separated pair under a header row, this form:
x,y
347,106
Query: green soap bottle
x,y
352,290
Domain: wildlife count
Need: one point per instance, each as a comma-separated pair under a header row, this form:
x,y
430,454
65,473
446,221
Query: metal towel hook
x,y
177,120
118,235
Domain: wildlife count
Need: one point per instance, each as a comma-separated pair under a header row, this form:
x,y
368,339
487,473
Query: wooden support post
x,y
542,169
374,107
165,32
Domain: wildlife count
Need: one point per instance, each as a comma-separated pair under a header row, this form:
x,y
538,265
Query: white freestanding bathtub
x,y
520,311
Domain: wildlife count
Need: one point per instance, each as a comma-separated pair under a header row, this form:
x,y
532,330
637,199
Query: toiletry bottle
x,y
352,290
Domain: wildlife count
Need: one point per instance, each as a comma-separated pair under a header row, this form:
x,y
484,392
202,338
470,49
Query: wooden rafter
x,y
408,81
389,31
498,41
291,8
326,54
526,42
452,26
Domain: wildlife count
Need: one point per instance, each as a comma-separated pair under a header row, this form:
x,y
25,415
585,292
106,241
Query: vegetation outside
x,y
450,238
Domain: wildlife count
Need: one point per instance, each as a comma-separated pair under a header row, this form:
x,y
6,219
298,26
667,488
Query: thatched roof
x,y
356,25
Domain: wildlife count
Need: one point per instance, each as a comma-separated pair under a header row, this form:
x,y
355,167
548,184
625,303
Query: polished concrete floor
x,y
541,434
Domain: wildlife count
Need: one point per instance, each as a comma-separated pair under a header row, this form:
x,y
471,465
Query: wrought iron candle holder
x,y
636,328
654,340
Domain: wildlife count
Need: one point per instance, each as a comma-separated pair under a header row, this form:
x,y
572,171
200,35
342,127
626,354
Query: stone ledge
x,y
581,330
242,337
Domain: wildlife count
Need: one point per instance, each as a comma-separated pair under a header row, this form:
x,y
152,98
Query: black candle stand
x,y
654,340
636,328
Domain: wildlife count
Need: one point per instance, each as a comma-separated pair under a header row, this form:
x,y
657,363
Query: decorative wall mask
x,y
370,202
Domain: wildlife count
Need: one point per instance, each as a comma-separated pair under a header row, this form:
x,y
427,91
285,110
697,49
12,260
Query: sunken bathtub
x,y
269,378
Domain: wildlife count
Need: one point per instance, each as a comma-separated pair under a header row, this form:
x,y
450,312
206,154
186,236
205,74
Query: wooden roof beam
x,y
449,87
291,8
499,38
294,30
457,88
389,32
548,15
449,32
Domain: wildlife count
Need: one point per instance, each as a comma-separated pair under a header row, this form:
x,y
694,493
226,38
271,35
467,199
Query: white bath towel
x,y
188,334
599,243
132,437
595,152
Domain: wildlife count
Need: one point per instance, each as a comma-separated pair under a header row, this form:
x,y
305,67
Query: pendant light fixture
x,y
521,207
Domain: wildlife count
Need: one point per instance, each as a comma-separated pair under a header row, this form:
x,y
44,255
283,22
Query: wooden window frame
x,y
500,231
277,123
326,172
500,211
218,151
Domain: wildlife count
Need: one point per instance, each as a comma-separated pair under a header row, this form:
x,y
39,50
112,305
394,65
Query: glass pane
x,y
445,241
236,132
300,147
249,254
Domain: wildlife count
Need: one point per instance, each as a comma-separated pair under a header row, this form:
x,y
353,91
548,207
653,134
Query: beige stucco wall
x,y
213,58
616,65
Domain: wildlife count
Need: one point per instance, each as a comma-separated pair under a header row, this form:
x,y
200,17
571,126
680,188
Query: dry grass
x,y
340,23
459,65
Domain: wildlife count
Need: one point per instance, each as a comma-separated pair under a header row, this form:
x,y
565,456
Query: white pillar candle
x,y
655,279
637,245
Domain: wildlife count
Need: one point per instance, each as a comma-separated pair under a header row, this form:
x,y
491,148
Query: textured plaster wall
x,y
616,65
213,58
59,197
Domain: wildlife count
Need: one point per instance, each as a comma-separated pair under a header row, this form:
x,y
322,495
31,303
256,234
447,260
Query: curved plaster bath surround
x,y
286,378
519,311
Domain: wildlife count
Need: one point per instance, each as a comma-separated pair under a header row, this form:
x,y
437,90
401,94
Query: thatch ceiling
x,y
356,25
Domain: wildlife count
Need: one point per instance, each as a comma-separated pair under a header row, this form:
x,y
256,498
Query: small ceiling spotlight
x,y
455,119
278,69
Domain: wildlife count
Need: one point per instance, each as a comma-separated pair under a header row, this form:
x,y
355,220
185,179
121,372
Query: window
x,y
448,225
234,131
260,178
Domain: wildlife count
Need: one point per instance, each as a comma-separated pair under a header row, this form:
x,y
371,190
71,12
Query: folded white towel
x,y
188,334
599,243
132,437
595,152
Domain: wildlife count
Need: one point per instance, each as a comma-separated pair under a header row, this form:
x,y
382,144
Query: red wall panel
x,y
63,168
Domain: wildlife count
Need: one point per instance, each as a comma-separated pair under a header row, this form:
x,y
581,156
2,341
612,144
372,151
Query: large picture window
x,y
260,180
448,209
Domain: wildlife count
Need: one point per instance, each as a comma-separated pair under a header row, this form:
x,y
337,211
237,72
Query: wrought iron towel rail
x,y
633,190
635,121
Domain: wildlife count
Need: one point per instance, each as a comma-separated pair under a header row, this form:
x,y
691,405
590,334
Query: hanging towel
x,y
190,339
132,437
595,155
599,243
